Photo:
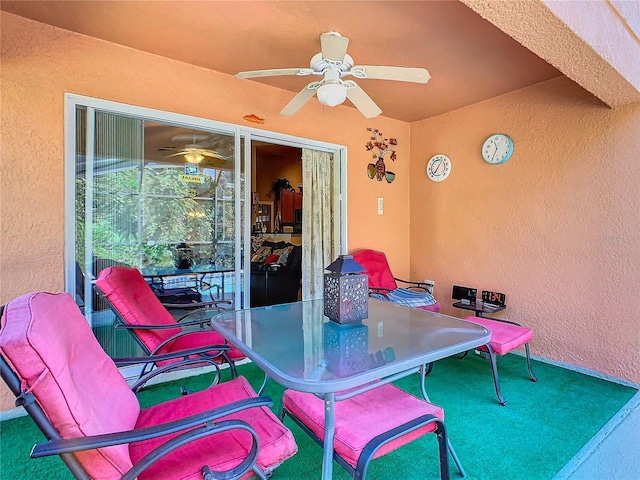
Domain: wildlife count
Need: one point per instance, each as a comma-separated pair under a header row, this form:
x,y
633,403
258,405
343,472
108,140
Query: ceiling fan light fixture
x,y
194,157
332,94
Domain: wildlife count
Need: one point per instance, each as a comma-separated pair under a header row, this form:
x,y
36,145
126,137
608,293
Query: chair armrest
x,y
182,334
60,446
126,326
427,287
215,303
212,306
503,321
124,361
187,361
373,291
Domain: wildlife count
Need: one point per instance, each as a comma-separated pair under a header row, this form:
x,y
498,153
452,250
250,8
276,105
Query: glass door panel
x,y
145,190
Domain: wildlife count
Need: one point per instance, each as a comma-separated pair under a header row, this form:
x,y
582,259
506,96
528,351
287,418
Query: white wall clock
x,y
497,149
438,167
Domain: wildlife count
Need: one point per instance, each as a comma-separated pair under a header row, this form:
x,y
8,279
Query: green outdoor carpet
x,y
542,427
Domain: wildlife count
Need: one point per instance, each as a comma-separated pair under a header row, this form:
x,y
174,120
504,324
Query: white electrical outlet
x,y
380,329
380,205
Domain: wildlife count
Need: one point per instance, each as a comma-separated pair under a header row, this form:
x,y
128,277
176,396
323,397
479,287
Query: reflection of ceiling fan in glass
x,y
202,152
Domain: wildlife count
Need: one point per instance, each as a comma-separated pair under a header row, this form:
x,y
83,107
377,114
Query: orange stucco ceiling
x,y
469,59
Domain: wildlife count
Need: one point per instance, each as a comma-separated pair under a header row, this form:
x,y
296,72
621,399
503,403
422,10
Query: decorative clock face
x,y
438,167
497,149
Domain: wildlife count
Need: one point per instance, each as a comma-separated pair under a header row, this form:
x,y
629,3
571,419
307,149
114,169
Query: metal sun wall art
x,y
379,146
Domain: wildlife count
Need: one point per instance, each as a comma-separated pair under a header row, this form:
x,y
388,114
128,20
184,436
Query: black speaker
x,y
464,294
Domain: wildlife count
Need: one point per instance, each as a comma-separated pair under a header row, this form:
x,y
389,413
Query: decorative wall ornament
x,y
380,146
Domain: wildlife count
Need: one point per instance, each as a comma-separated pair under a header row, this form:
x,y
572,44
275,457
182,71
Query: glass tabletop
x,y
300,348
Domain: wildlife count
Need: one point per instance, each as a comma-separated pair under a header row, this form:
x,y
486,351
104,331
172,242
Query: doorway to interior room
x,y
276,230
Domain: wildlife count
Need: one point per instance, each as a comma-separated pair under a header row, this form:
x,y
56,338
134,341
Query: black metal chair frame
x,y
195,426
494,364
420,286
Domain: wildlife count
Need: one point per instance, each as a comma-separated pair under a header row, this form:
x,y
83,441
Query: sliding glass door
x,y
145,191
143,186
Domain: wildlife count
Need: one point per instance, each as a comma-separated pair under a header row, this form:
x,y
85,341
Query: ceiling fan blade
x,y
212,154
219,164
299,100
402,74
176,154
363,102
333,46
274,72
189,137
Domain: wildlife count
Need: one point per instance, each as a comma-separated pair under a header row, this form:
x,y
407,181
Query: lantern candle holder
x,y
346,291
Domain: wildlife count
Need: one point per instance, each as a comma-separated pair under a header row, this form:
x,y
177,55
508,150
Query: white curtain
x,y
319,239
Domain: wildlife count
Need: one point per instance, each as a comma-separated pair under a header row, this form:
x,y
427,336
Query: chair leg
x,y
264,385
443,446
424,370
531,374
232,365
496,379
456,460
464,355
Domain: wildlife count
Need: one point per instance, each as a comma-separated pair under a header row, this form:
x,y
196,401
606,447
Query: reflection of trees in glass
x,y
133,224
114,216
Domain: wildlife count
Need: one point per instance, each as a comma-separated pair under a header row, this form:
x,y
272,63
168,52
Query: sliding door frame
x,y
73,101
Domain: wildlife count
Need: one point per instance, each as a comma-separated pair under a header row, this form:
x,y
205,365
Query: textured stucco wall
x,y
40,63
556,228
595,43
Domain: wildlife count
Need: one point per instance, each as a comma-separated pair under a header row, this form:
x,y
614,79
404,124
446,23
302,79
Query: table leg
x,y
453,453
329,430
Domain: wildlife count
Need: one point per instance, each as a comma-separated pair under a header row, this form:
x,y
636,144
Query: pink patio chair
x,y
505,336
383,285
369,425
77,397
140,312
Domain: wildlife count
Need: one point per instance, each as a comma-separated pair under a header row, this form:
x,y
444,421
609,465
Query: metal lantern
x,y
346,291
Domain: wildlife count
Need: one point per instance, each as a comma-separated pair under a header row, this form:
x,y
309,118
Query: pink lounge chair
x,y
505,336
75,394
140,312
370,425
382,283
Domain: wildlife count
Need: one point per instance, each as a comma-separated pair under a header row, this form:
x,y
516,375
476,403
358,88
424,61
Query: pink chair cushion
x,y
136,303
377,268
361,418
504,336
221,451
49,344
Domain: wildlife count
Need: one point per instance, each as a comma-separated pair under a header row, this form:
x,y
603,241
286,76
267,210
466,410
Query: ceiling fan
x,y
197,152
333,63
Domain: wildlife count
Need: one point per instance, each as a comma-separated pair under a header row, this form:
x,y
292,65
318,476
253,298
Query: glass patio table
x,y
198,272
300,348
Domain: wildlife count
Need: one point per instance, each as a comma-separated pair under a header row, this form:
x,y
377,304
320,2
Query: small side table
x,y
479,308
